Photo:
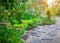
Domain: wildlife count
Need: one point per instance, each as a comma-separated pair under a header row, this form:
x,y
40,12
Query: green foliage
x,y
10,13
29,14
58,12
45,21
10,36
31,23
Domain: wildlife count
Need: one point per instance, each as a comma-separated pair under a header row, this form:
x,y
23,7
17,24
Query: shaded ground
x,y
44,34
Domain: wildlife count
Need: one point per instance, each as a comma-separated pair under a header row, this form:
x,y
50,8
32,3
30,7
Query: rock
x,y
25,37
52,33
41,31
35,40
57,25
39,27
47,37
52,26
34,33
57,28
47,29
47,41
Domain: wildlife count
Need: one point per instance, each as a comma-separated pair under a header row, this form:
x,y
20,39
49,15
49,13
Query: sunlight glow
x,y
50,3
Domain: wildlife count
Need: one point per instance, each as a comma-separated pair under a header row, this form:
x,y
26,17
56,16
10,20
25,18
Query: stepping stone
x,y
35,40
57,25
35,34
52,33
25,37
39,27
57,28
47,29
47,37
41,31
52,26
47,41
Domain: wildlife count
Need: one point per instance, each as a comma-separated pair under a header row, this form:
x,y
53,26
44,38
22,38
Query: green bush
x,y
30,23
10,13
10,36
45,21
15,14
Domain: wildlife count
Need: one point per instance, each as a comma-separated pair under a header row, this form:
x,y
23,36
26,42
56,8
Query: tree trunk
x,y
48,14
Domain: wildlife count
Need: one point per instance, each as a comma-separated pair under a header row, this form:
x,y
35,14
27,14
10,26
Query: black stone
x,y
25,37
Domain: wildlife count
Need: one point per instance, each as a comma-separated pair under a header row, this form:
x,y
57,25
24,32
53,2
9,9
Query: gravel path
x,y
44,34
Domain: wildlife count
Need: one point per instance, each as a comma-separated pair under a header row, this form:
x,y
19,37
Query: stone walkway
x,y
44,34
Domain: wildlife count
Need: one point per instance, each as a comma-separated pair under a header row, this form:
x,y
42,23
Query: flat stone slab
x,y
47,37
52,33
47,41
57,28
34,33
47,29
35,40
39,27
41,31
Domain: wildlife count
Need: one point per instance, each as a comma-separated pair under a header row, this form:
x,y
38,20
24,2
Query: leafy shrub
x,y
10,36
45,21
10,13
31,23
